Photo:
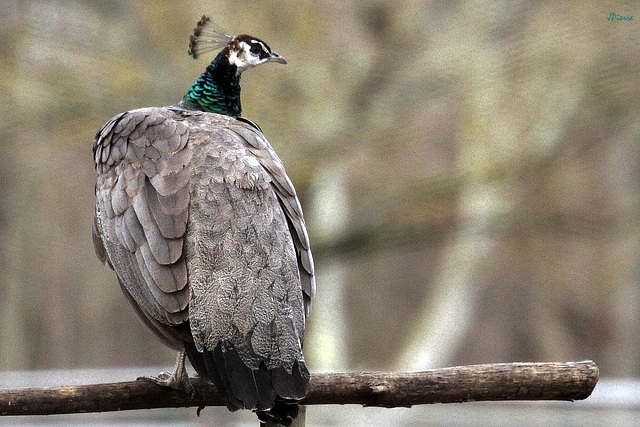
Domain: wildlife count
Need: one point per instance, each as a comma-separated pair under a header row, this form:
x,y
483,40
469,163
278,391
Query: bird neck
x,y
217,90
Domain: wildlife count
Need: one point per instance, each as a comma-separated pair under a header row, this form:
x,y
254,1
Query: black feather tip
x,y
207,37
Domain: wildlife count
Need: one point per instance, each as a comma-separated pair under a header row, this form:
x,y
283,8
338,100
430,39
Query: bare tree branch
x,y
501,381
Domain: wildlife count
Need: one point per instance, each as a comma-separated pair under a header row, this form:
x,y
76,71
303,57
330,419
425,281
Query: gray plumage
x,y
198,218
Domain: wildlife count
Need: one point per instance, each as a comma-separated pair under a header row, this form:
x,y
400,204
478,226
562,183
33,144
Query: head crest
x,y
207,37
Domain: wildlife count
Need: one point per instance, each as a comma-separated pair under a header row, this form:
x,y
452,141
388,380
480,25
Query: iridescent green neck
x,y
217,90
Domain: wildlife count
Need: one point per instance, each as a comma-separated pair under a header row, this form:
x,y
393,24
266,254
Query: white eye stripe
x,y
261,44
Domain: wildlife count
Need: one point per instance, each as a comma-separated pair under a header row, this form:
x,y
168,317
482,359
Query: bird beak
x,y
277,58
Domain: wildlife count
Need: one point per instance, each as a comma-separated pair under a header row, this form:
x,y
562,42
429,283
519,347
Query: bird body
x,y
196,214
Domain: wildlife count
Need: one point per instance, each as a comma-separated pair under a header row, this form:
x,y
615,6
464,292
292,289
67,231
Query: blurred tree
x,y
486,154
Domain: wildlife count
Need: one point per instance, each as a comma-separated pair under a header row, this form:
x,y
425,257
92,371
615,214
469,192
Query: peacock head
x,y
243,51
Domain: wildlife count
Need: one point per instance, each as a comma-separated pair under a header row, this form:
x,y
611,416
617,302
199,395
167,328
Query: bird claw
x,y
177,380
165,379
168,379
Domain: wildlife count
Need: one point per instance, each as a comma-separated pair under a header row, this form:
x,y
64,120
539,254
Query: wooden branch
x,y
502,381
491,382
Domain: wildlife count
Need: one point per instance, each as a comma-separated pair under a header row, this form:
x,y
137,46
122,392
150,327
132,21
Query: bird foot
x,y
165,379
177,380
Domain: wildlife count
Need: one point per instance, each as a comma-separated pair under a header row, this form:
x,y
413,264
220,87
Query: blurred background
x,y
470,174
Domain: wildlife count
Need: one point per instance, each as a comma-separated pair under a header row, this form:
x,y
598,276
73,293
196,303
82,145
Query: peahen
x,y
199,220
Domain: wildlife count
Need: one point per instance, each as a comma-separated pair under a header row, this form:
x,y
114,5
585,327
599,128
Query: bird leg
x,y
176,380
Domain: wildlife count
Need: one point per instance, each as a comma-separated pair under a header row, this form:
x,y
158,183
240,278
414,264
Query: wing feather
x,y
170,218
123,232
142,158
164,250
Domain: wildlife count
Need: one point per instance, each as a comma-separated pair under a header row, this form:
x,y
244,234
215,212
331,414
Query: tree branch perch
x,y
490,382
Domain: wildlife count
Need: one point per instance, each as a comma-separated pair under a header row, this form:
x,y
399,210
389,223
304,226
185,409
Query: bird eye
x,y
255,49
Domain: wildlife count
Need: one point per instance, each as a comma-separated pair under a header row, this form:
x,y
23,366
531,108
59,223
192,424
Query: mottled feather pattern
x,y
286,193
247,244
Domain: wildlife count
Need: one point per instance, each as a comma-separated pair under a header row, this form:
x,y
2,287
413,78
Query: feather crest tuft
x,y
207,37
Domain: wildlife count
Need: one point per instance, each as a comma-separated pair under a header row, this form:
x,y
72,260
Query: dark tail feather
x,y
243,387
293,386
273,394
282,412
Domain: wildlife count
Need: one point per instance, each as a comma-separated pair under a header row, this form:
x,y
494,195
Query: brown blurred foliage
x,y
489,152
